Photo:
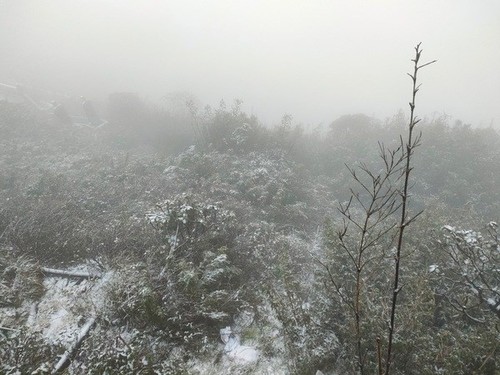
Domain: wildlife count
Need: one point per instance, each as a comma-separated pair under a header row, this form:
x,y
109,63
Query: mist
x,y
315,60
242,187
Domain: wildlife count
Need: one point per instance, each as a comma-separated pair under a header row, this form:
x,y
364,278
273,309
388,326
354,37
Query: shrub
x,y
20,279
22,352
193,283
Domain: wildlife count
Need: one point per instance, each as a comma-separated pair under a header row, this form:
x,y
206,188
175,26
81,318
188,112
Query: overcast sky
x,y
313,59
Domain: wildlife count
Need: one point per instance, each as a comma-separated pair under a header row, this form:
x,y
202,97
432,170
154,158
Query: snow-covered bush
x,y
470,273
229,130
300,304
23,352
193,282
109,351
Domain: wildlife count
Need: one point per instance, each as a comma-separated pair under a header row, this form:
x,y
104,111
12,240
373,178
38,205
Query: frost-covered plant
x,y
20,279
128,352
300,306
227,129
23,352
193,283
258,185
470,275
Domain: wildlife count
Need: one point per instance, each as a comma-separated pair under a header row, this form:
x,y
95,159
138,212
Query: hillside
x,y
189,225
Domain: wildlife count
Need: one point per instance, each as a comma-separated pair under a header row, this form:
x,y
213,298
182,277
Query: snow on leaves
x,y
473,262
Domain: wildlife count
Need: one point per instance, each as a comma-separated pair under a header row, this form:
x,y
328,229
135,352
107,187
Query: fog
x,y
315,60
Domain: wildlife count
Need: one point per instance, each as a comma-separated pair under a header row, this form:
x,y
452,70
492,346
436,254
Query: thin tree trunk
x,y
404,220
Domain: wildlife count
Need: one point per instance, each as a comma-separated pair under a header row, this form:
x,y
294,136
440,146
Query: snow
x,y
243,353
471,237
434,268
234,350
493,303
60,313
57,324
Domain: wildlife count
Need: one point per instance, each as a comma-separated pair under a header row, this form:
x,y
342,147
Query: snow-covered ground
x,y
68,304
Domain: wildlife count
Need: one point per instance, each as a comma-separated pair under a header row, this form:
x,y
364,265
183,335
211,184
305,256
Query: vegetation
x,y
206,217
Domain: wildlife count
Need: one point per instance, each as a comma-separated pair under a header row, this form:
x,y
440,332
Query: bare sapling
x,y
408,148
373,220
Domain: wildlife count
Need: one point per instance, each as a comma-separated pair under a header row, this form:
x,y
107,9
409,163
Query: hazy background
x,y
315,60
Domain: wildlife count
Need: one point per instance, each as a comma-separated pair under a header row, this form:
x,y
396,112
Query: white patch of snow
x,y
244,354
60,312
58,322
492,302
434,268
234,350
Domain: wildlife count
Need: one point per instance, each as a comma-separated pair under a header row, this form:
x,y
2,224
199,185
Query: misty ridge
x,y
311,228
451,150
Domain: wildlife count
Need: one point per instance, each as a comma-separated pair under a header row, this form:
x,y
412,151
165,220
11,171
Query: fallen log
x,y
70,353
65,273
